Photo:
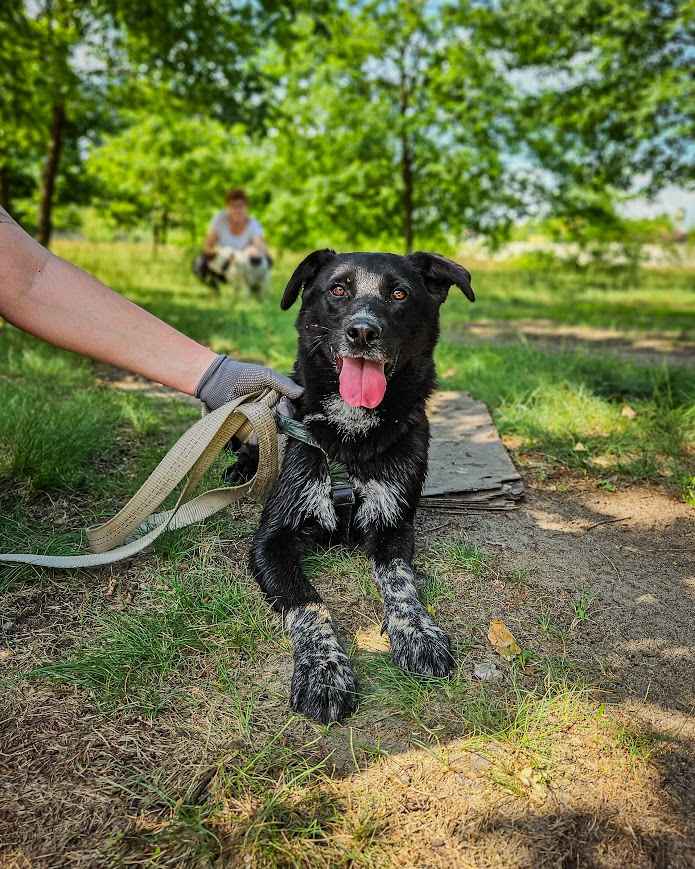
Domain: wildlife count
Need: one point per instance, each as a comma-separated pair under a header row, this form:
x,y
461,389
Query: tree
x,y
169,169
21,83
390,127
607,95
62,53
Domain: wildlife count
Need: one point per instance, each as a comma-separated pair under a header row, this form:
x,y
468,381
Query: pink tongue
x,y
362,382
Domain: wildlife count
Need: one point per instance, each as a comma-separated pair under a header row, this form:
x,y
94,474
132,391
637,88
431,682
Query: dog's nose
x,y
363,332
255,260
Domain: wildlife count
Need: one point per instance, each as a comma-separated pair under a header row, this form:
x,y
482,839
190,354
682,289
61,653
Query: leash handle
x,y
190,457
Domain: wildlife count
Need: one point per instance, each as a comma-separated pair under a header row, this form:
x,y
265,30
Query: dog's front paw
x,y
323,684
418,645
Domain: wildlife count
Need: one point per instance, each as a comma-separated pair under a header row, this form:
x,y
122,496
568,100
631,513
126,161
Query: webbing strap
x,y
189,458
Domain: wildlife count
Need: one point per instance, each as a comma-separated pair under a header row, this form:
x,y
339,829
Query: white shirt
x,y
225,236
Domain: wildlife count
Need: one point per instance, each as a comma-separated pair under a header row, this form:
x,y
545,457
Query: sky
x,y
671,200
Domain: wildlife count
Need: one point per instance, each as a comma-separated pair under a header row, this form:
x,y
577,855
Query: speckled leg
x,y
418,645
323,684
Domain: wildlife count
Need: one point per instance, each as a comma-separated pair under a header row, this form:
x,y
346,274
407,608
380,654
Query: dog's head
x,y
369,315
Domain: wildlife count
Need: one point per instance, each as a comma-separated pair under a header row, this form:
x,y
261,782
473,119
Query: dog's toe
x,y
418,645
323,688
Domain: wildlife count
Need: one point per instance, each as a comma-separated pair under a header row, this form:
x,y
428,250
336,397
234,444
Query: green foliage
x,y
389,129
386,123
168,170
608,95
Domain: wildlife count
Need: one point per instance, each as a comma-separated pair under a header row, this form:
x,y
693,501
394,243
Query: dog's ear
x,y
440,273
304,274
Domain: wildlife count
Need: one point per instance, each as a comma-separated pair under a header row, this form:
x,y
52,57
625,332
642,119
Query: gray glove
x,y
227,379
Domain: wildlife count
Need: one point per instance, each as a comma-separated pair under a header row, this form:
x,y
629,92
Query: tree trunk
x,y
5,189
407,177
406,156
50,173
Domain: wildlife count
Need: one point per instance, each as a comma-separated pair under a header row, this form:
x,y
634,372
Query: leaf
x,y
628,412
579,447
502,640
5,655
532,781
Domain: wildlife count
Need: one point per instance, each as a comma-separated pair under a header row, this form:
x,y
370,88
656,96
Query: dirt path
x,y
644,347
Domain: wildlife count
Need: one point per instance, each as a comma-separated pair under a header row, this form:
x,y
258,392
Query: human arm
x,y
258,244
211,240
54,300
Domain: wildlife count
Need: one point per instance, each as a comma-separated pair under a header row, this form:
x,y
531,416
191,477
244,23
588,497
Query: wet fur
x,y
385,453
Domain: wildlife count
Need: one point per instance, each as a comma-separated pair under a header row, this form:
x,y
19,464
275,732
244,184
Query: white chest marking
x,y
381,505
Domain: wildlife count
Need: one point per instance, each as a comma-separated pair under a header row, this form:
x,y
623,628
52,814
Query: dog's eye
x,y
399,294
338,290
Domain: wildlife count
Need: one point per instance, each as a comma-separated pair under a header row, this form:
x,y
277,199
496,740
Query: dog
x,y
368,326
240,268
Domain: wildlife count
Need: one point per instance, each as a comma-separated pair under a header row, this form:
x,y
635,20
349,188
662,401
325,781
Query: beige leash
x,y
189,458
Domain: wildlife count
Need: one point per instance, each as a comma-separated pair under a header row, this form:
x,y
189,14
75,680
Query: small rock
x,y
438,843
486,672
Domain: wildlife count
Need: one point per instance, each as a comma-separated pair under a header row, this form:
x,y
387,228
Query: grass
x,y
200,611
273,805
663,299
186,644
548,401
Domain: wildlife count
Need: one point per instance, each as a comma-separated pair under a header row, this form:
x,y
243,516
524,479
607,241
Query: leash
x,y
189,458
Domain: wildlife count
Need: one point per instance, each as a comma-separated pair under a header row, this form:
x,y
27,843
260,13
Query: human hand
x,y
227,379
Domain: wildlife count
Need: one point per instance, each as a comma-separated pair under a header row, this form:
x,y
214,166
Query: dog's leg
x,y
418,645
323,684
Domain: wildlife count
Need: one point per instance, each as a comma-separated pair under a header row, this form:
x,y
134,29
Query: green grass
x,y
200,610
549,400
554,401
448,557
662,300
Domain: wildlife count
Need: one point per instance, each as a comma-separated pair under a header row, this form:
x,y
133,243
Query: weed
x,y
450,557
581,608
518,576
640,744
550,628
386,684
341,563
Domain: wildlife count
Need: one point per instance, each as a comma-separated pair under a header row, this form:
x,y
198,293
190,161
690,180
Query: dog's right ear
x,y
304,274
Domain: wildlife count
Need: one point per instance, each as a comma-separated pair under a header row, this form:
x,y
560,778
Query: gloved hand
x,y
227,379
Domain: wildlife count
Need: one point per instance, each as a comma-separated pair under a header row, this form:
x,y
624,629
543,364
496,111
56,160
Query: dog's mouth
x,y
362,381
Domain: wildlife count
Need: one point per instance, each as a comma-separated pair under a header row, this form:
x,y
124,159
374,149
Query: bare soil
x,y
644,347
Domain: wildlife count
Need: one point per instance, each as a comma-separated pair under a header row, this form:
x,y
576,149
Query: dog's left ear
x,y
304,274
440,273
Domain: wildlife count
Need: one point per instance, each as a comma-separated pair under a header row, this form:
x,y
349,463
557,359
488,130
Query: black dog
x,y
367,329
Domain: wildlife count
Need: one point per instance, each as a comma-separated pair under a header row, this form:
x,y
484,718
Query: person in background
x,y
234,227
234,247
52,299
